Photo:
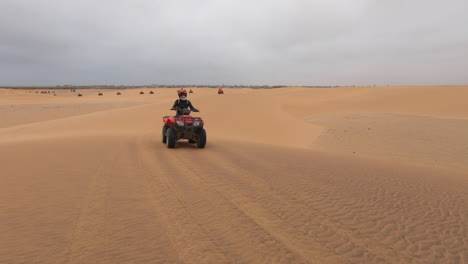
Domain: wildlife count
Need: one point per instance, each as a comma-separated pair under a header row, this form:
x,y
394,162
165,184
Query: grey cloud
x,y
298,42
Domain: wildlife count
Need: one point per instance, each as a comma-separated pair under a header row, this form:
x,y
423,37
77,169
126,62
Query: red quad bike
x,y
183,127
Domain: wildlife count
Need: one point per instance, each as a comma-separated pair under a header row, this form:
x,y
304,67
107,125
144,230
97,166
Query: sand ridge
x,y
291,175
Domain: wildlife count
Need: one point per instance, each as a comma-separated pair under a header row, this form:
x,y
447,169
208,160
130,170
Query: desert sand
x,y
289,175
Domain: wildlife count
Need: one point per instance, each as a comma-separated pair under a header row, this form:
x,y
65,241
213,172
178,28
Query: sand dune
x,y
291,175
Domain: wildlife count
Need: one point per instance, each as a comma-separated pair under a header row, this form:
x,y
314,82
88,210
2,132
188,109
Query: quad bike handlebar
x,y
194,110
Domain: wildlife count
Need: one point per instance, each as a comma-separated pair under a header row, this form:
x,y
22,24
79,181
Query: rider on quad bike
x,y
182,103
183,125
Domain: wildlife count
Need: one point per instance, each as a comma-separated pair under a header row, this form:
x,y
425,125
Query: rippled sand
x,y
291,175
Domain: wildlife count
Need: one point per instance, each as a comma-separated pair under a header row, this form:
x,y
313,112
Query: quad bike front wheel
x,y
164,129
171,138
202,139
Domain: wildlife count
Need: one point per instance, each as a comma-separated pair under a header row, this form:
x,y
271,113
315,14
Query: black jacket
x,y
181,104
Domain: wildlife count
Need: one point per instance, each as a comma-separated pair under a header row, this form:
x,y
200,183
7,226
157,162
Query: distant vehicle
x,y
118,93
80,94
183,127
99,94
151,92
142,92
220,91
190,91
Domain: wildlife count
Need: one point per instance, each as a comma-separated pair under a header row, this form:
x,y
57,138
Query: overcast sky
x,y
293,42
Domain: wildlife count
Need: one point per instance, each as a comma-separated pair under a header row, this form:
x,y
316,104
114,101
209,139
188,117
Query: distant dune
x,y
289,175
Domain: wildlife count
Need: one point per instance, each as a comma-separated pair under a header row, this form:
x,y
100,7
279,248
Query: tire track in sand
x,y
193,244
118,223
90,237
241,237
137,231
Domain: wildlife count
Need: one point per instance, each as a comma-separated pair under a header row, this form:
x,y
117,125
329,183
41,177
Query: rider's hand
x,y
173,108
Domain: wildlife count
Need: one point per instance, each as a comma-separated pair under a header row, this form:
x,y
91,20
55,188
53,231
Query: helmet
x,y
181,92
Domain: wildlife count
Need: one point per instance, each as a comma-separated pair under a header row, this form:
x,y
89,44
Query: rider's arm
x,y
191,106
176,103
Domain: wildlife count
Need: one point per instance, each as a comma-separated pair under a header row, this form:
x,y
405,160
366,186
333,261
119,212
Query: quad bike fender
x,y
169,120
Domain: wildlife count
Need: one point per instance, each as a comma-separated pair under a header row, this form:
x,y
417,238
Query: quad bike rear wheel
x,y
171,138
202,139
